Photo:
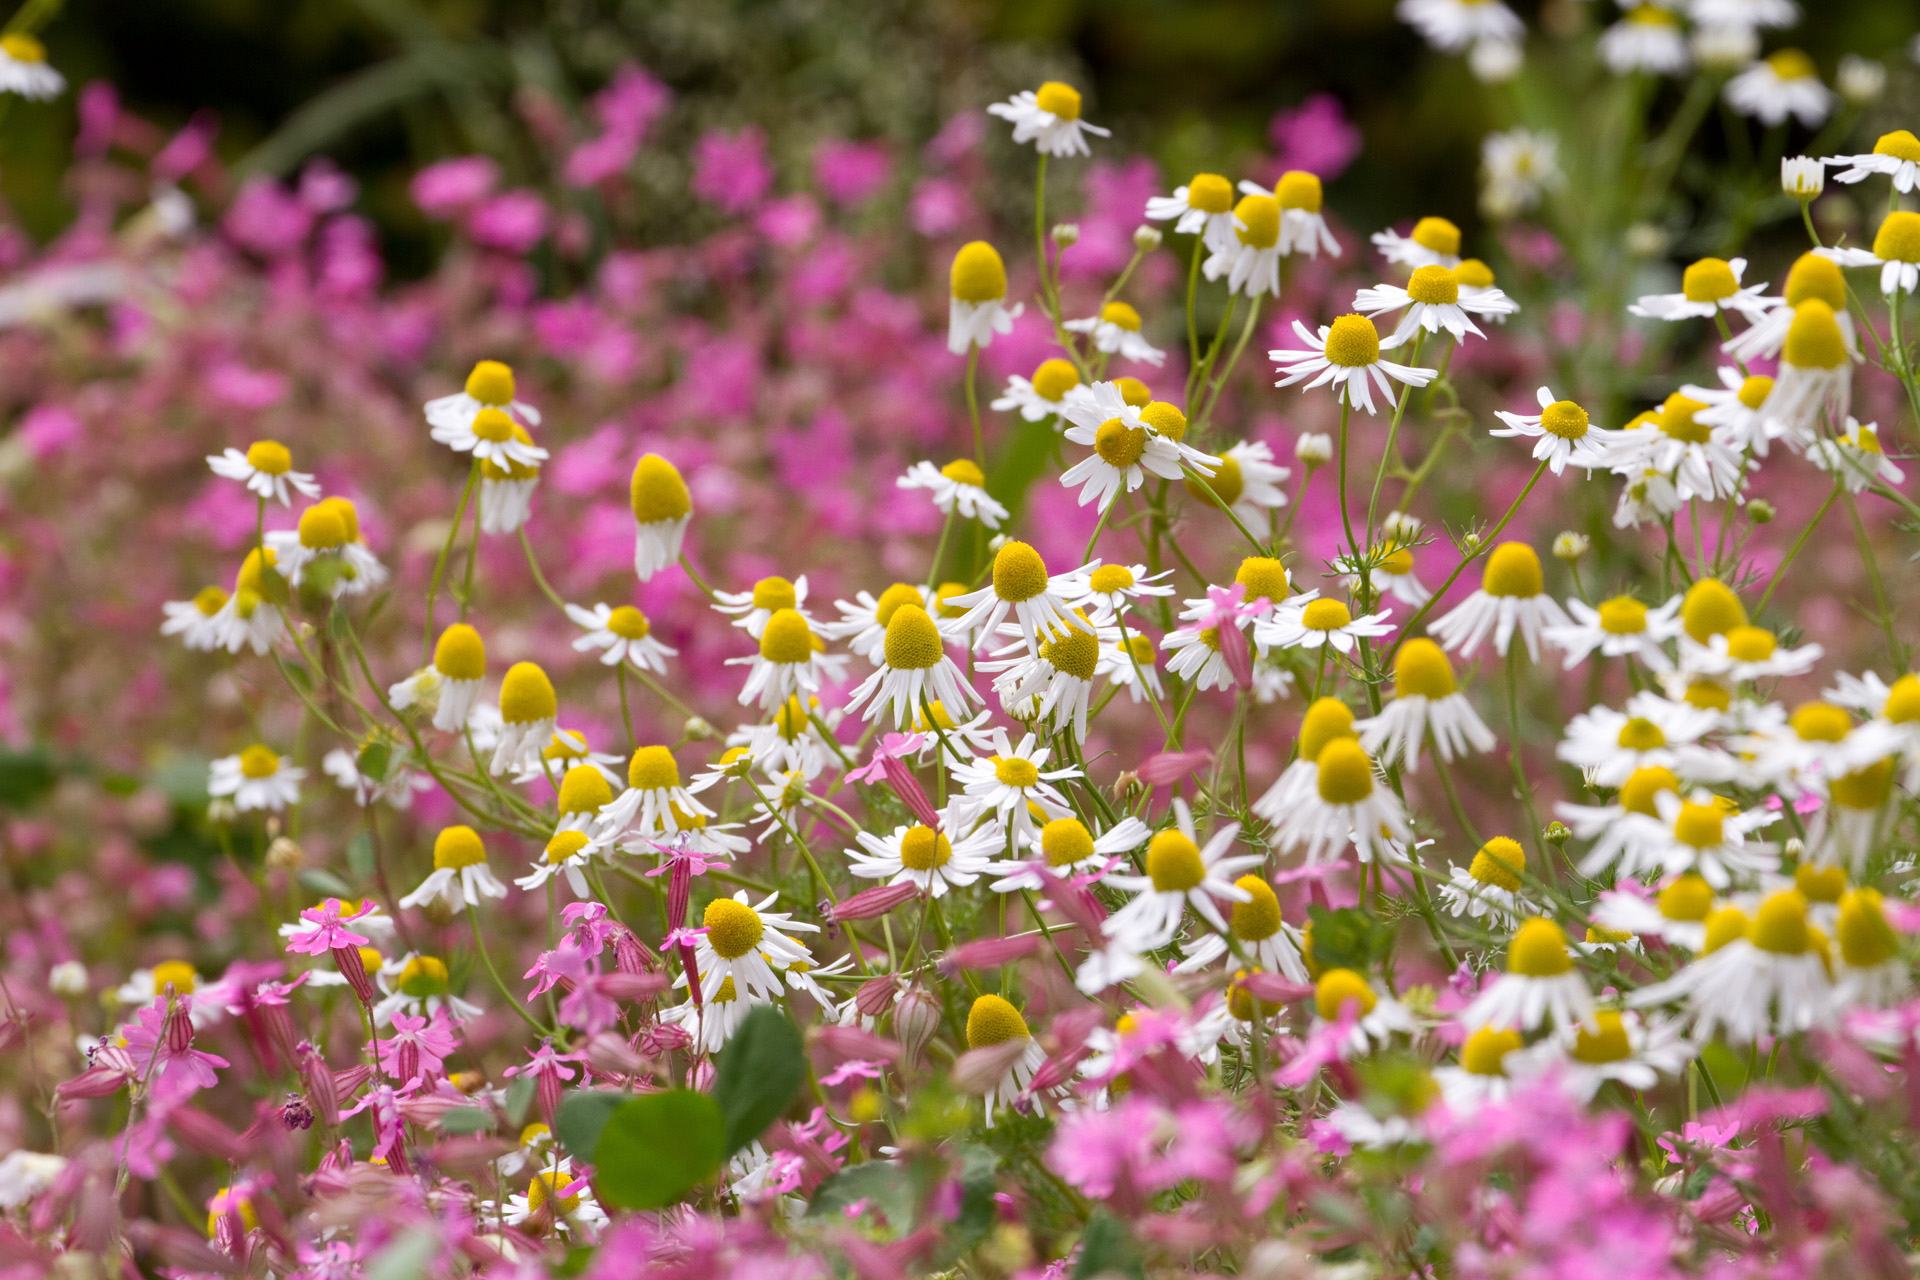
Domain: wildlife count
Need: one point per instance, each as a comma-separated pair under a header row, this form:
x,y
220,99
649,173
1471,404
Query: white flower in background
x,y
1540,987
266,469
1896,251
1648,38
451,684
1303,228
460,877
1784,83
1625,1047
751,610
960,485
621,634
1743,15
1116,331
662,508
1247,483
1204,208
1489,887
1856,457
1180,873
257,778
1433,302
1452,25
1754,977
1707,288
1896,155
1609,746
992,1023
1703,460
1348,802
1860,80
198,621
1434,242
1042,396
24,69
932,860
1319,622
1512,596
1738,405
1426,703
1347,355
506,491
1049,118
978,298
1621,627
1802,178
329,534
397,788
1250,263
863,620
1516,168
1562,432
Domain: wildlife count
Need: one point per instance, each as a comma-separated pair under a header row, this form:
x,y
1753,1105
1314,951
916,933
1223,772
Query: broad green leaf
x,y
885,1186
374,758
25,776
1107,1246
657,1147
1348,938
360,855
760,1071
519,1098
466,1120
582,1117
320,880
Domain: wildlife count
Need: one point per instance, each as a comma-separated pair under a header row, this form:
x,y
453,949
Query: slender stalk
x,y
973,407
440,564
1806,532
1486,544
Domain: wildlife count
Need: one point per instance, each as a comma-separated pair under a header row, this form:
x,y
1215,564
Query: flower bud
x,y
1644,240
874,996
1471,542
1147,239
1803,178
68,980
916,1017
698,730
1066,234
1556,834
1313,448
1861,80
1760,511
221,811
295,1113
1570,546
354,970
285,855
1400,527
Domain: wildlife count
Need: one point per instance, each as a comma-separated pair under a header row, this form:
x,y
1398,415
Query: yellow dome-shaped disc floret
x,y
1604,1041
1421,670
1264,579
1054,378
1227,483
1433,285
1709,280
1754,391
1539,949
270,457
1705,695
628,623
1062,100
1867,788
1820,884
460,653
657,493
978,274
1065,841
1820,722
924,849
1640,734
1337,987
1900,144
1814,340
1750,644
1109,578
1813,276
456,847
1898,239
1325,615
545,1188
1700,826
226,1199
1018,571
1121,315
321,528
733,928
1353,341
993,1020
1623,616
1015,771
1258,918
1728,924
1173,862
493,425
1257,221
1326,720
913,641
1565,419
1474,274
1513,569
1134,392
1209,193
1689,897
774,593
210,600
1072,651
1119,445
175,973
1165,419
1711,609
584,790
1866,939
1499,863
1642,785
1678,421
965,471
1298,189
787,639
892,598
259,762
565,845
1486,1050
1345,772
526,695
424,976
1437,235
22,47
1780,925
653,769
1903,700
491,383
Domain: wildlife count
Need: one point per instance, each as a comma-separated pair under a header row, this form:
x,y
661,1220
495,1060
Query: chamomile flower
x,y
1434,242
489,388
1317,623
1433,302
1452,25
1870,971
1818,742
1203,207
1814,274
933,860
1621,627
1677,914
863,620
1020,587
1348,803
506,490
791,740
1764,976
1649,39
1736,409
1896,154
712,1022
1610,746
1856,457
266,469
1013,785
561,1193
1489,886
565,750
1896,707
197,621
960,485
1048,117
790,662
914,670
752,609
1055,682
24,69
1744,15
1853,823
1622,1046
1180,872
257,778
451,684
1303,228
1815,381
1704,833
655,800
1745,653
662,508
489,436
1426,704
1116,331
1265,938
1541,985
978,298
746,942
1392,575
1044,395
1133,669
1109,590
142,985
1379,1016
1784,83
1896,251
1250,261
1626,825
1064,846
1708,288
992,1022
1476,283
621,634
528,710
1562,431
1346,354
1512,596
1326,719
1246,482
460,877
397,788
1196,656
327,542
249,619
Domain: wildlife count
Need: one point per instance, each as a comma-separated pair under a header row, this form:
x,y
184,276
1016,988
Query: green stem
x,y
1486,544
440,564
1806,532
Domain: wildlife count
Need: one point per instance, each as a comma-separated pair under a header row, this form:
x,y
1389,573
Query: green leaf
x,y
373,759
1348,938
25,776
1026,459
885,1186
581,1119
406,1258
519,1098
1107,1246
760,1071
322,881
466,1120
360,855
657,1147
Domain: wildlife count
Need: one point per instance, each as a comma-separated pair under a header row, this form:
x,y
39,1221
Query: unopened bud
x,y
875,996
1471,542
1313,448
1570,546
285,855
68,979
697,729
1147,239
1556,834
1401,527
221,811
1794,847
916,1017
1803,177
1861,80
1066,234
1760,511
1644,240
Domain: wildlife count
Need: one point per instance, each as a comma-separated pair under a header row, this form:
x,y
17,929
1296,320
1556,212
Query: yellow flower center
x,y
1338,986
1565,419
1346,774
259,762
1711,609
1326,720
1134,392
1165,419
565,845
978,273
1499,863
1813,339
1263,577
493,425
913,641
1325,615
1709,280
787,639
726,994
1352,342
1780,925
1728,924
424,976
1474,274
774,593
457,847
1209,193
1054,378
1434,285
321,528
1903,700
1640,734
1677,420
1072,651
1867,788
1513,570
1173,862
1638,791
1299,189
1813,276
461,655
991,1021
491,383
1868,440
22,47
1063,100
1398,562
1018,571
628,623
1539,950
733,928
1015,771
1227,482
1754,391
1750,644
546,1186
1898,239
1422,671
653,769
526,695
1689,897
657,493
584,790
1140,649
1119,445
1650,15
1259,221
1791,64
269,456
1437,235
1622,616
209,600
1258,918
1605,1041
1866,940
1240,1001
177,972
1109,578
1900,144
1708,696
1485,1052
1700,825
1820,722
1065,841
1122,315
965,471
924,849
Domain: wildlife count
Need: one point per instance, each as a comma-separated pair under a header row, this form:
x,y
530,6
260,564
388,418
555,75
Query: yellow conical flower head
x,y
1792,64
1258,918
1814,340
1345,772
653,769
1820,722
1898,239
629,623
22,47
1122,315
1903,700
1173,862
924,849
1353,341
1866,940
526,695
460,653
1326,719
1867,788
1054,378
1264,578
1539,949
1063,100
514,469
584,790
1711,609
321,528
1018,572
991,1021
1642,785
1433,285
1678,420
788,639
1072,651
1298,189
457,847
1689,897
177,974
1209,193
1820,884
1709,280
270,456
1513,570
1728,924
1605,1041
1780,926
912,641
733,928
491,383
1134,392
1227,483
1485,1052
1813,276
424,976
210,600
1165,419
259,762
227,1200
978,274
1065,841
1474,274
1437,235
1499,862
1337,987
564,845
1257,221
657,492
1421,670
1901,144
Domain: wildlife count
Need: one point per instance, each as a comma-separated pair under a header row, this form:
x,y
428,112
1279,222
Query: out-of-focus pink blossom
x,y
731,170
448,188
512,222
851,172
1315,136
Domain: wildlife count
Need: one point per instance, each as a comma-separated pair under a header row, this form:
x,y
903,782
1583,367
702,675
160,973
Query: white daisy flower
x,y
528,710
1348,803
1814,274
991,1023
863,620
1871,971
1896,154
1381,1017
1815,381
24,69
1702,833
959,484
1013,785
1433,301
1109,590
1649,39
1512,595
1250,260
1303,228
1265,939
1116,331
489,386
1476,283
1133,669
1452,25
1481,1077
1434,242
655,800
1744,14
1020,586
791,662
1764,976
1856,457
934,861
1784,83
1048,117
978,298
1737,409
751,610
1347,354
506,492
1247,483
1817,743
621,634
747,943
802,976
490,437
712,1022
1196,656
1127,444
1541,985
566,749
791,741
1426,704
1317,623
257,778
568,853
1517,168
1054,683
1064,846
1392,574
1619,628
1179,873
328,535
460,877
1743,654
1489,886
559,1192
1708,288
397,788
1326,719
1625,1047
1610,746
662,508
1677,915
1203,207
198,621
914,670
1896,251
143,985
266,469
1563,432
1044,395
249,619
1625,826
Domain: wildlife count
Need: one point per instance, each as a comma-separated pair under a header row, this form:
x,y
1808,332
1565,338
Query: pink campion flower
x,y
564,963
232,383
870,904
416,1049
349,258
889,764
99,111
548,1069
731,170
1097,1151
449,188
1225,609
957,139
591,925
48,429
855,1069
939,207
110,1068
187,150
160,1041
324,189
632,101
789,223
1315,136
512,222
267,219
851,172
389,1126
329,931
1325,1045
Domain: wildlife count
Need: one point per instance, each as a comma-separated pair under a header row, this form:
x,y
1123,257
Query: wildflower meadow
x,y
692,690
